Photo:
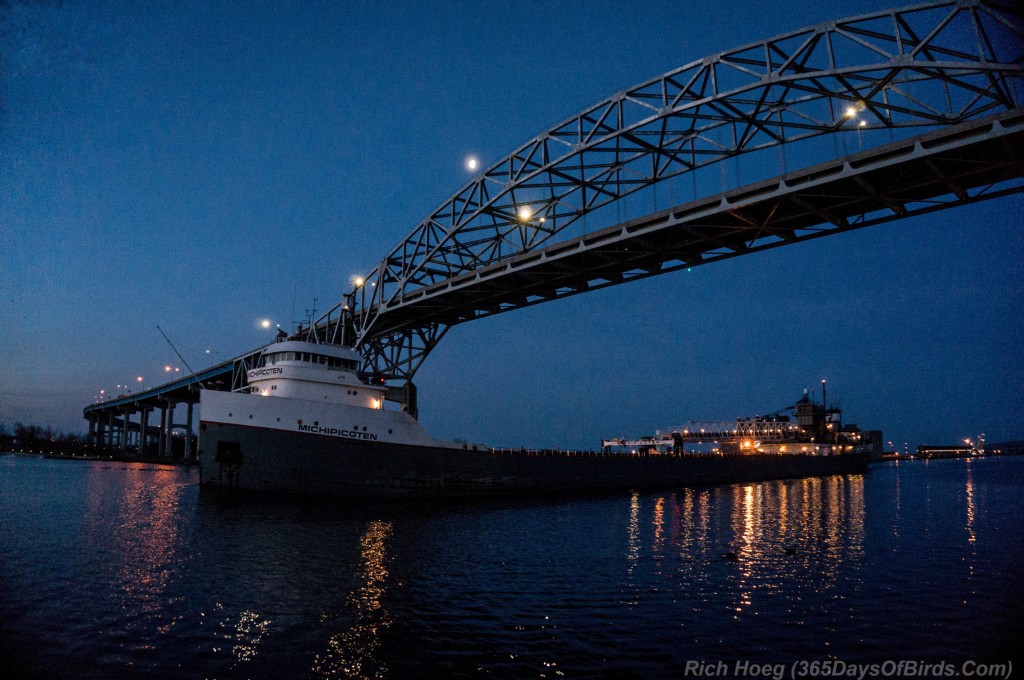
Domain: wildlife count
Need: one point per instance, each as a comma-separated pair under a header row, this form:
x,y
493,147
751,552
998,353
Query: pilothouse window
x,y
308,357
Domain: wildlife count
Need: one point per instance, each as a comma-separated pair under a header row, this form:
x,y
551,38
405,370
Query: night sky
x,y
204,165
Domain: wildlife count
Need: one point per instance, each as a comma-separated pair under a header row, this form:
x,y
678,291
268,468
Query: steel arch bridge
x,y
944,82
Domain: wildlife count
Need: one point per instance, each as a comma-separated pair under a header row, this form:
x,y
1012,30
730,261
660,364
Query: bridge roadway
x,y
110,421
962,164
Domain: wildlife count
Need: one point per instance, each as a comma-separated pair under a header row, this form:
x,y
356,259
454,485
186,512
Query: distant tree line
x,y
36,439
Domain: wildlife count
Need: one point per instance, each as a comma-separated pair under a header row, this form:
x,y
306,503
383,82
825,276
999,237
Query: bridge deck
x,y
957,165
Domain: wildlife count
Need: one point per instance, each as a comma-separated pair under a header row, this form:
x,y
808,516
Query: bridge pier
x,y
108,440
162,431
406,396
144,431
168,450
125,423
188,431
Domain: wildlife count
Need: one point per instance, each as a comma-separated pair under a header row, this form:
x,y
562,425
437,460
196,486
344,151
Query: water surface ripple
x,y
119,569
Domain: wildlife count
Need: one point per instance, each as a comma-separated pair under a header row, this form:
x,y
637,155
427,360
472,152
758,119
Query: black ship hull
x,y
233,456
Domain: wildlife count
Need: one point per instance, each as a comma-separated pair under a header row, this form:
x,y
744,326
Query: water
x,y
116,569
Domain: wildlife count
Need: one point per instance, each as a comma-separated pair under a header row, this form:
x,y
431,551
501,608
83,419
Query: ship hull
x,y
255,458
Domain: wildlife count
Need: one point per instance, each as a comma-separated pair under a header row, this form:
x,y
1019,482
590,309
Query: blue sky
x,y
203,165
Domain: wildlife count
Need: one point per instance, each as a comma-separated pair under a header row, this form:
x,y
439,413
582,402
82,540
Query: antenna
x,y
174,348
310,315
295,289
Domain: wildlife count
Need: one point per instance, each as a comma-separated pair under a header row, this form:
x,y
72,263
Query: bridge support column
x,y
169,428
188,433
406,396
143,431
91,439
125,422
162,432
108,442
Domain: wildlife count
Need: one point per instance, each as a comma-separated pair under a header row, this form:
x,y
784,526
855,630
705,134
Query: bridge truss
x,y
956,66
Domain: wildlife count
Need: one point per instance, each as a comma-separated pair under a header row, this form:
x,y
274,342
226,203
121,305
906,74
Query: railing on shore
x,y
572,453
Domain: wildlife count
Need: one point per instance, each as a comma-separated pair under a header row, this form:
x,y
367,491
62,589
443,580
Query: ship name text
x,y
338,432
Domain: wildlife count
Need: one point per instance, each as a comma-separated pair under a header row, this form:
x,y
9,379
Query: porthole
x,y
230,414
300,421
278,420
316,423
364,426
250,416
389,431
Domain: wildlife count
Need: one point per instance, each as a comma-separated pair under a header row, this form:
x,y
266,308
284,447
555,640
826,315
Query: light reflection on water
x,y
353,653
969,491
132,568
134,528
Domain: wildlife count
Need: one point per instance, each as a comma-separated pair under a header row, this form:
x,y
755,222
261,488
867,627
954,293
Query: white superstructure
x,y
320,372
314,388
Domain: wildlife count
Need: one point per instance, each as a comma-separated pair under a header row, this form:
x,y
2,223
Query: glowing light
x,y
265,323
472,163
167,369
525,213
863,123
357,281
851,111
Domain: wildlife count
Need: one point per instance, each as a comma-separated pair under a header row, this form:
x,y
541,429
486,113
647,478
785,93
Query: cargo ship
x,y
307,423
